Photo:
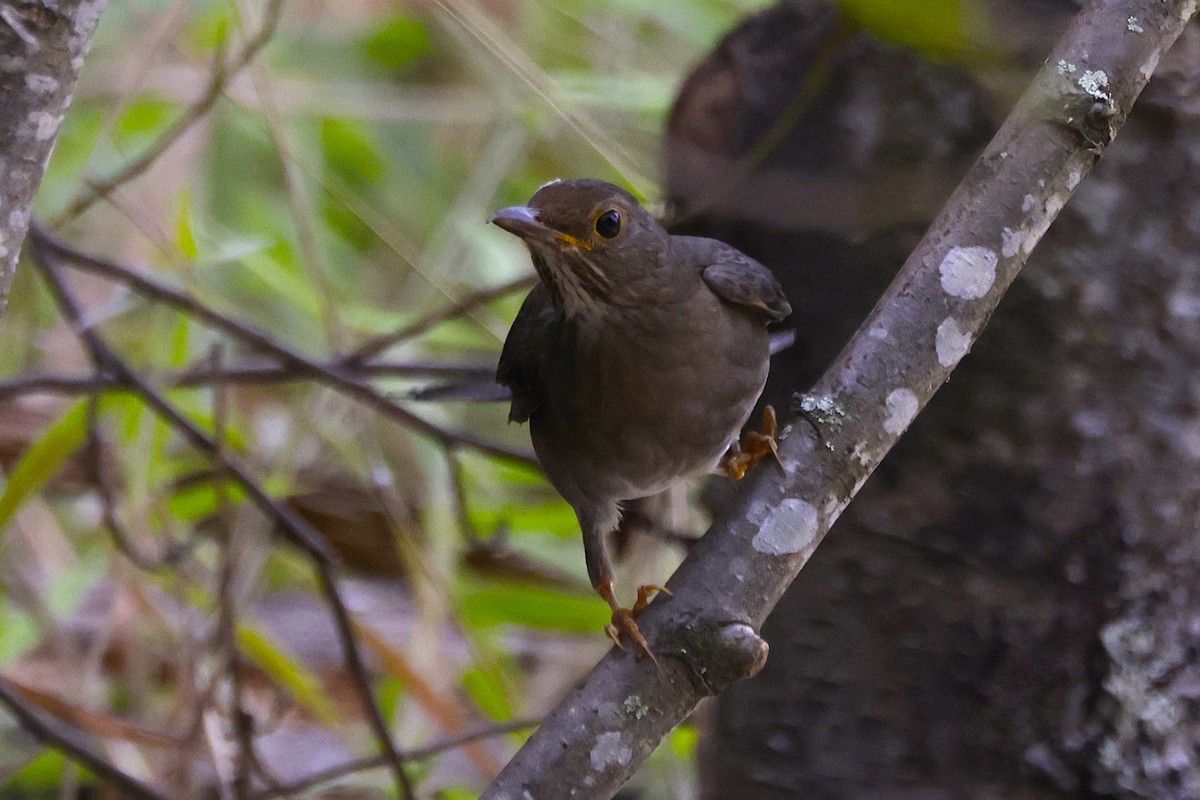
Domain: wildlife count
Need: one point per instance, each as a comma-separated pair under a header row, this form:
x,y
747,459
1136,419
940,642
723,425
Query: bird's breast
x,y
643,396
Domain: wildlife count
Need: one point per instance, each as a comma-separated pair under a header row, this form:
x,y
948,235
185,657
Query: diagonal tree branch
x,y
925,323
41,53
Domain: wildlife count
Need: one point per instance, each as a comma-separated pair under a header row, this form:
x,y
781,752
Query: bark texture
x,y
1010,608
42,45
907,347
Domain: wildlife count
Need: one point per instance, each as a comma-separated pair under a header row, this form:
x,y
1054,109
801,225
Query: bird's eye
x,y
608,224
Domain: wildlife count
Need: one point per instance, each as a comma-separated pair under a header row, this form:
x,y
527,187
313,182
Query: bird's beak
x,y
523,221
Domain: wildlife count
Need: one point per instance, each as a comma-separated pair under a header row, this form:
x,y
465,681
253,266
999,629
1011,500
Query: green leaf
x,y
44,459
934,28
185,239
44,772
18,633
397,42
142,117
209,29
487,603
276,280
350,151
554,517
684,741
389,695
457,793
287,670
202,500
487,692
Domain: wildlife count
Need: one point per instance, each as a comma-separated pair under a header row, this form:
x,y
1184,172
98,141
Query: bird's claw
x,y
757,447
624,620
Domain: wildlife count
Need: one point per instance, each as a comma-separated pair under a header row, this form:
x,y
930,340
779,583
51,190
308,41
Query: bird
x,y
636,359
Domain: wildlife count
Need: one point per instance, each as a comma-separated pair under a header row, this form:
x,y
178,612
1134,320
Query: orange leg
x,y
624,620
758,446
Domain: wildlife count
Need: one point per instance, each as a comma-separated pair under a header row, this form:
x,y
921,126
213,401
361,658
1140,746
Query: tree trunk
x,y
42,45
1011,608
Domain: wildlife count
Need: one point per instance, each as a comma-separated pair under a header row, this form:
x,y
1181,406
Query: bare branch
x,y
374,347
418,754
41,53
54,734
294,526
925,323
204,374
101,479
333,376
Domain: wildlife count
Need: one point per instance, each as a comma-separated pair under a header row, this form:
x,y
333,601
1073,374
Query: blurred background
x,y
336,190
1007,610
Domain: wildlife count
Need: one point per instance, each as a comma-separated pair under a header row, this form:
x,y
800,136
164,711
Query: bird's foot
x,y
757,447
624,620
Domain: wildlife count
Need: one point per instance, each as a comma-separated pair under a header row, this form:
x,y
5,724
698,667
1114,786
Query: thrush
x,y
636,359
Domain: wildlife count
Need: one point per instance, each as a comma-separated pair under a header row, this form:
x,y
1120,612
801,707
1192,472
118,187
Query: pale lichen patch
x,y
634,705
19,220
1065,67
87,15
1184,304
41,84
1189,441
1151,63
835,504
951,343
609,751
1010,241
1095,83
1133,26
902,406
968,272
1074,176
44,124
1039,222
825,405
791,528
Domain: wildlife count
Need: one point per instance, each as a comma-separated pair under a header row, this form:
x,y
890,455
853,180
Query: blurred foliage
x,y
337,191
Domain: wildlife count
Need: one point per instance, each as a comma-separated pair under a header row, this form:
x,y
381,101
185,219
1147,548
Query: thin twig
x,y
221,76
94,448
53,733
225,635
416,754
250,373
300,204
375,346
295,527
335,377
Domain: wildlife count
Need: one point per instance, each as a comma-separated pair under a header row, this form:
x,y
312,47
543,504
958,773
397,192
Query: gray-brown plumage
x,y
636,359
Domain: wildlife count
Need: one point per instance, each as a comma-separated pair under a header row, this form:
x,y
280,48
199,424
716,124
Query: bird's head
x,y
592,243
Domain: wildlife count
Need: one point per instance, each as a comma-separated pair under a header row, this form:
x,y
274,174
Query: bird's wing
x,y
738,278
520,360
